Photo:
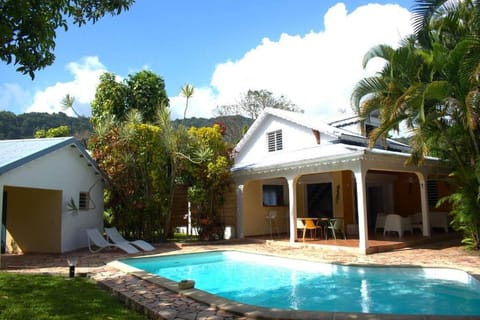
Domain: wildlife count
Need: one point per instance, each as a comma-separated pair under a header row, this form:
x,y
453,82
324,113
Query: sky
x,y
309,51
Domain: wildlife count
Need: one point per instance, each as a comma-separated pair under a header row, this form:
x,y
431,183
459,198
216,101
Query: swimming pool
x,y
274,282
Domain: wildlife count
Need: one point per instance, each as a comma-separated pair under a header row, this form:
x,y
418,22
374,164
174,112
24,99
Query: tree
x,y
207,173
253,102
430,83
135,161
143,91
187,92
62,131
28,28
67,103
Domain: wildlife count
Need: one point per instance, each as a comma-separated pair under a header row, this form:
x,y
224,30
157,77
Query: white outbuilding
x,y
52,191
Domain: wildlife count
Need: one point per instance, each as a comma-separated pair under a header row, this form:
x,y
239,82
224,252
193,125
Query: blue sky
x,y
308,50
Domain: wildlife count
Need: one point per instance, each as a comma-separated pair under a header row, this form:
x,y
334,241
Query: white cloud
x,y
86,74
316,71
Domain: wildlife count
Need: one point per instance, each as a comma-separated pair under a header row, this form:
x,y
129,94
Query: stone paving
x,y
156,302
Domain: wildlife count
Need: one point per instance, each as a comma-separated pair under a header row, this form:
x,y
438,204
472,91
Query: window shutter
x,y
271,141
275,140
83,200
279,138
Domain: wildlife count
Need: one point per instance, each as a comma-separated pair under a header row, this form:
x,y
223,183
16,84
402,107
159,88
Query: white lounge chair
x,y
116,237
97,240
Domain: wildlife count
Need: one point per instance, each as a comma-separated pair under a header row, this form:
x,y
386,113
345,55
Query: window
x,y
432,193
275,141
273,195
83,200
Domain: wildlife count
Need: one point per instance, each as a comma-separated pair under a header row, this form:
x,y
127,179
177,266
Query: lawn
x,y
26,296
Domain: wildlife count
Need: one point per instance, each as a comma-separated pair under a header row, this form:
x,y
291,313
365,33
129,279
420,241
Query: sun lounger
x,y
97,240
115,236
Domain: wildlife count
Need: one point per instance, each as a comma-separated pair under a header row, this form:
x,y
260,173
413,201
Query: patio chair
x,y
335,225
116,237
304,224
271,222
96,239
397,223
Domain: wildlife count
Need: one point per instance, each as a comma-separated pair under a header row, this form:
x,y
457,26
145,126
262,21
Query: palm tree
x,y
430,83
187,92
67,103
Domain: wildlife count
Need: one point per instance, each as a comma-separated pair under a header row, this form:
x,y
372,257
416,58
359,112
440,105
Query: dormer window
x,y
275,140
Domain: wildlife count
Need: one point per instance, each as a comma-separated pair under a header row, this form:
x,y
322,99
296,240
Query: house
x,y
300,166
52,191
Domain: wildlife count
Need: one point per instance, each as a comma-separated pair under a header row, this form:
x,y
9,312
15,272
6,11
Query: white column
x,y
239,192
362,210
424,203
292,205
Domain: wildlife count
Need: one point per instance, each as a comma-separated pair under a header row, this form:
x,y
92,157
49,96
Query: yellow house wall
x,y
254,212
29,213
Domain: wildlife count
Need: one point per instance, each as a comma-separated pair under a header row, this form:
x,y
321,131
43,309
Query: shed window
x,y
275,140
83,200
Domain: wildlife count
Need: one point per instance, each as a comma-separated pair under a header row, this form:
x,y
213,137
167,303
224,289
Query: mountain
x,y
25,125
235,126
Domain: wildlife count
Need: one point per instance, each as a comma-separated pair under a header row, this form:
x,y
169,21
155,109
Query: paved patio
x,y
147,297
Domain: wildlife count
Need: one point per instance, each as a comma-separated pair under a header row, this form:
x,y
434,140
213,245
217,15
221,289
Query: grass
x,y
27,296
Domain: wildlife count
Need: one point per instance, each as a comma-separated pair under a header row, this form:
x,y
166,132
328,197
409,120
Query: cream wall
x,y
254,222
66,170
33,214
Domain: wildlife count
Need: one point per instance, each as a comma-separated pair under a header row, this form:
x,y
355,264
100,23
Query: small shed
x,y
52,191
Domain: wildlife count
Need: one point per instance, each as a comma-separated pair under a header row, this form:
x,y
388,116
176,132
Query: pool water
x,y
275,282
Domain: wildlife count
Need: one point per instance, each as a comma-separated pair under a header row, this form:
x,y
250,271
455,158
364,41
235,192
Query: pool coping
x,y
259,312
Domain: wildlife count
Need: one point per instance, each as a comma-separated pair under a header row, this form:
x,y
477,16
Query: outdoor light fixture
x,y
72,262
410,183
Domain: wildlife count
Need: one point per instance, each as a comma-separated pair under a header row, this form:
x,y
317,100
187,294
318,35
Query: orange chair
x,y
305,224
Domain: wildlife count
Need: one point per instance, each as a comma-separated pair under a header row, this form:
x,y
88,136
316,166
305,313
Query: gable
x,y
273,136
17,153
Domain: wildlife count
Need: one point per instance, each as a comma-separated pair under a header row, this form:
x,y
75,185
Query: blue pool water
x,y
275,282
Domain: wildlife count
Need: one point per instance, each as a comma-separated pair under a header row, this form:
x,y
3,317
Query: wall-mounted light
x,y
410,183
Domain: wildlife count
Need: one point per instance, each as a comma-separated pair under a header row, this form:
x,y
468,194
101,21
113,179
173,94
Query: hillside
x,y
25,125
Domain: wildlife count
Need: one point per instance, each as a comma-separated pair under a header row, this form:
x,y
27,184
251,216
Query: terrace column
x,y
424,202
360,174
239,192
292,205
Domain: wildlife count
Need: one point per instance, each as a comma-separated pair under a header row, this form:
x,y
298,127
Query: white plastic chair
x,y
398,224
271,221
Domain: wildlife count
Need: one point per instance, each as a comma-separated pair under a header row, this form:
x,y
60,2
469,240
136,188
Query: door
x,y
375,204
319,200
